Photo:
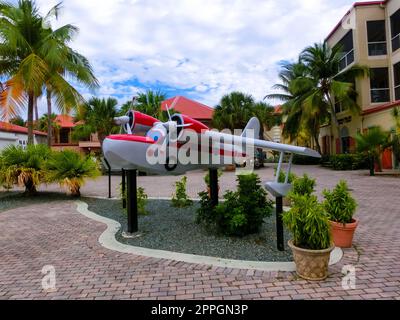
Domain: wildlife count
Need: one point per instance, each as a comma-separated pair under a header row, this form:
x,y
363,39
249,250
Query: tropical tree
x,y
98,117
233,111
71,169
396,136
18,121
148,102
44,120
313,86
24,167
300,122
33,57
372,143
331,86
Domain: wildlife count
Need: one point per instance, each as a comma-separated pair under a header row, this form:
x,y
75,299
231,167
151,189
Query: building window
x,y
395,26
345,140
376,38
346,44
380,91
64,135
396,71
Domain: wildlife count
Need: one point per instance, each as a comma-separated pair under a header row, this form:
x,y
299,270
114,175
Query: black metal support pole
x,y
123,188
132,201
109,177
214,186
279,224
109,183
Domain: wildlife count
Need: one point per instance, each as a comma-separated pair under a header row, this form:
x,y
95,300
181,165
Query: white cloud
x,y
208,47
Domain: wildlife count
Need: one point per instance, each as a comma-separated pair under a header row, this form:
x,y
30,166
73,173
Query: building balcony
x,y
89,144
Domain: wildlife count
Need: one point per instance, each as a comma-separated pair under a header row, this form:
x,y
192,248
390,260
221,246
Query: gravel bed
x,y
173,229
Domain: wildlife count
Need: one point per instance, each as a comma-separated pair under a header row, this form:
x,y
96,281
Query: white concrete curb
x,y
107,240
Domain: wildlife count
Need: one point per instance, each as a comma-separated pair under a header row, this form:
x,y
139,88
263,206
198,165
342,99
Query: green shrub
x,y
305,160
180,199
303,186
141,200
339,203
308,222
71,169
242,212
282,176
343,162
207,177
24,167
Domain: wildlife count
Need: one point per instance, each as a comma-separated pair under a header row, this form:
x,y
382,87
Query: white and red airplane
x,y
192,145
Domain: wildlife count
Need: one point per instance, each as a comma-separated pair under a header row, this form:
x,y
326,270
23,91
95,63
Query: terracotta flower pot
x,y
343,233
311,264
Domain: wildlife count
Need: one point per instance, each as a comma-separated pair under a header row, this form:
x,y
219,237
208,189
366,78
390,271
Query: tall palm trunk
x,y
35,108
31,102
49,124
316,139
334,121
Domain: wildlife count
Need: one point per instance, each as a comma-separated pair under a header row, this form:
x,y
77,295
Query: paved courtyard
x,y
54,234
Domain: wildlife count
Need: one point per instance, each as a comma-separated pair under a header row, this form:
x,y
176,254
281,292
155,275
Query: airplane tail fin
x,y
252,129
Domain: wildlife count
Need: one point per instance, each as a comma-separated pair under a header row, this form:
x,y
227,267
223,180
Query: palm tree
x,y
396,136
150,104
294,86
44,121
233,111
372,143
24,166
330,85
311,88
98,117
70,169
34,56
18,121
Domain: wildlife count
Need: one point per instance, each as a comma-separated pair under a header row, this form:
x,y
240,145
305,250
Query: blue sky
x,y
202,49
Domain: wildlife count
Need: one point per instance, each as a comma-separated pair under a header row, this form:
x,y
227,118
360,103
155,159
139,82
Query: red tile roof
x,y
382,107
189,107
356,4
65,121
8,127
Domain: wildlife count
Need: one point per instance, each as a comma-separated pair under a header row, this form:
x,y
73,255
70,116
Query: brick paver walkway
x,y
55,234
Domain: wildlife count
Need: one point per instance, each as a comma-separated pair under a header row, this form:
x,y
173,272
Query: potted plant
x,y
311,245
341,206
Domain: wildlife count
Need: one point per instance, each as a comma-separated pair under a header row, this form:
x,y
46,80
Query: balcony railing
x,y
347,59
380,95
378,48
396,42
397,92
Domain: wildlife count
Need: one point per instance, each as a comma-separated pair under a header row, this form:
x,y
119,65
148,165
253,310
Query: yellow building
x,y
370,35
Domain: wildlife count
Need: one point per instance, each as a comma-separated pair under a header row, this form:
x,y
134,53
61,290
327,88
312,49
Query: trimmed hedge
x,y
343,162
304,160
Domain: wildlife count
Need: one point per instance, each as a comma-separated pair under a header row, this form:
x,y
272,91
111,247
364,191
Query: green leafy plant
x,y
24,167
241,213
207,177
343,162
141,199
180,198
70,169
305,160
372,144
304,185
282,176
308,222
339,203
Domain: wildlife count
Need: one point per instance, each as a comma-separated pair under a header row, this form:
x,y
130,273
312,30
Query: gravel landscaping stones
x,y
173,229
